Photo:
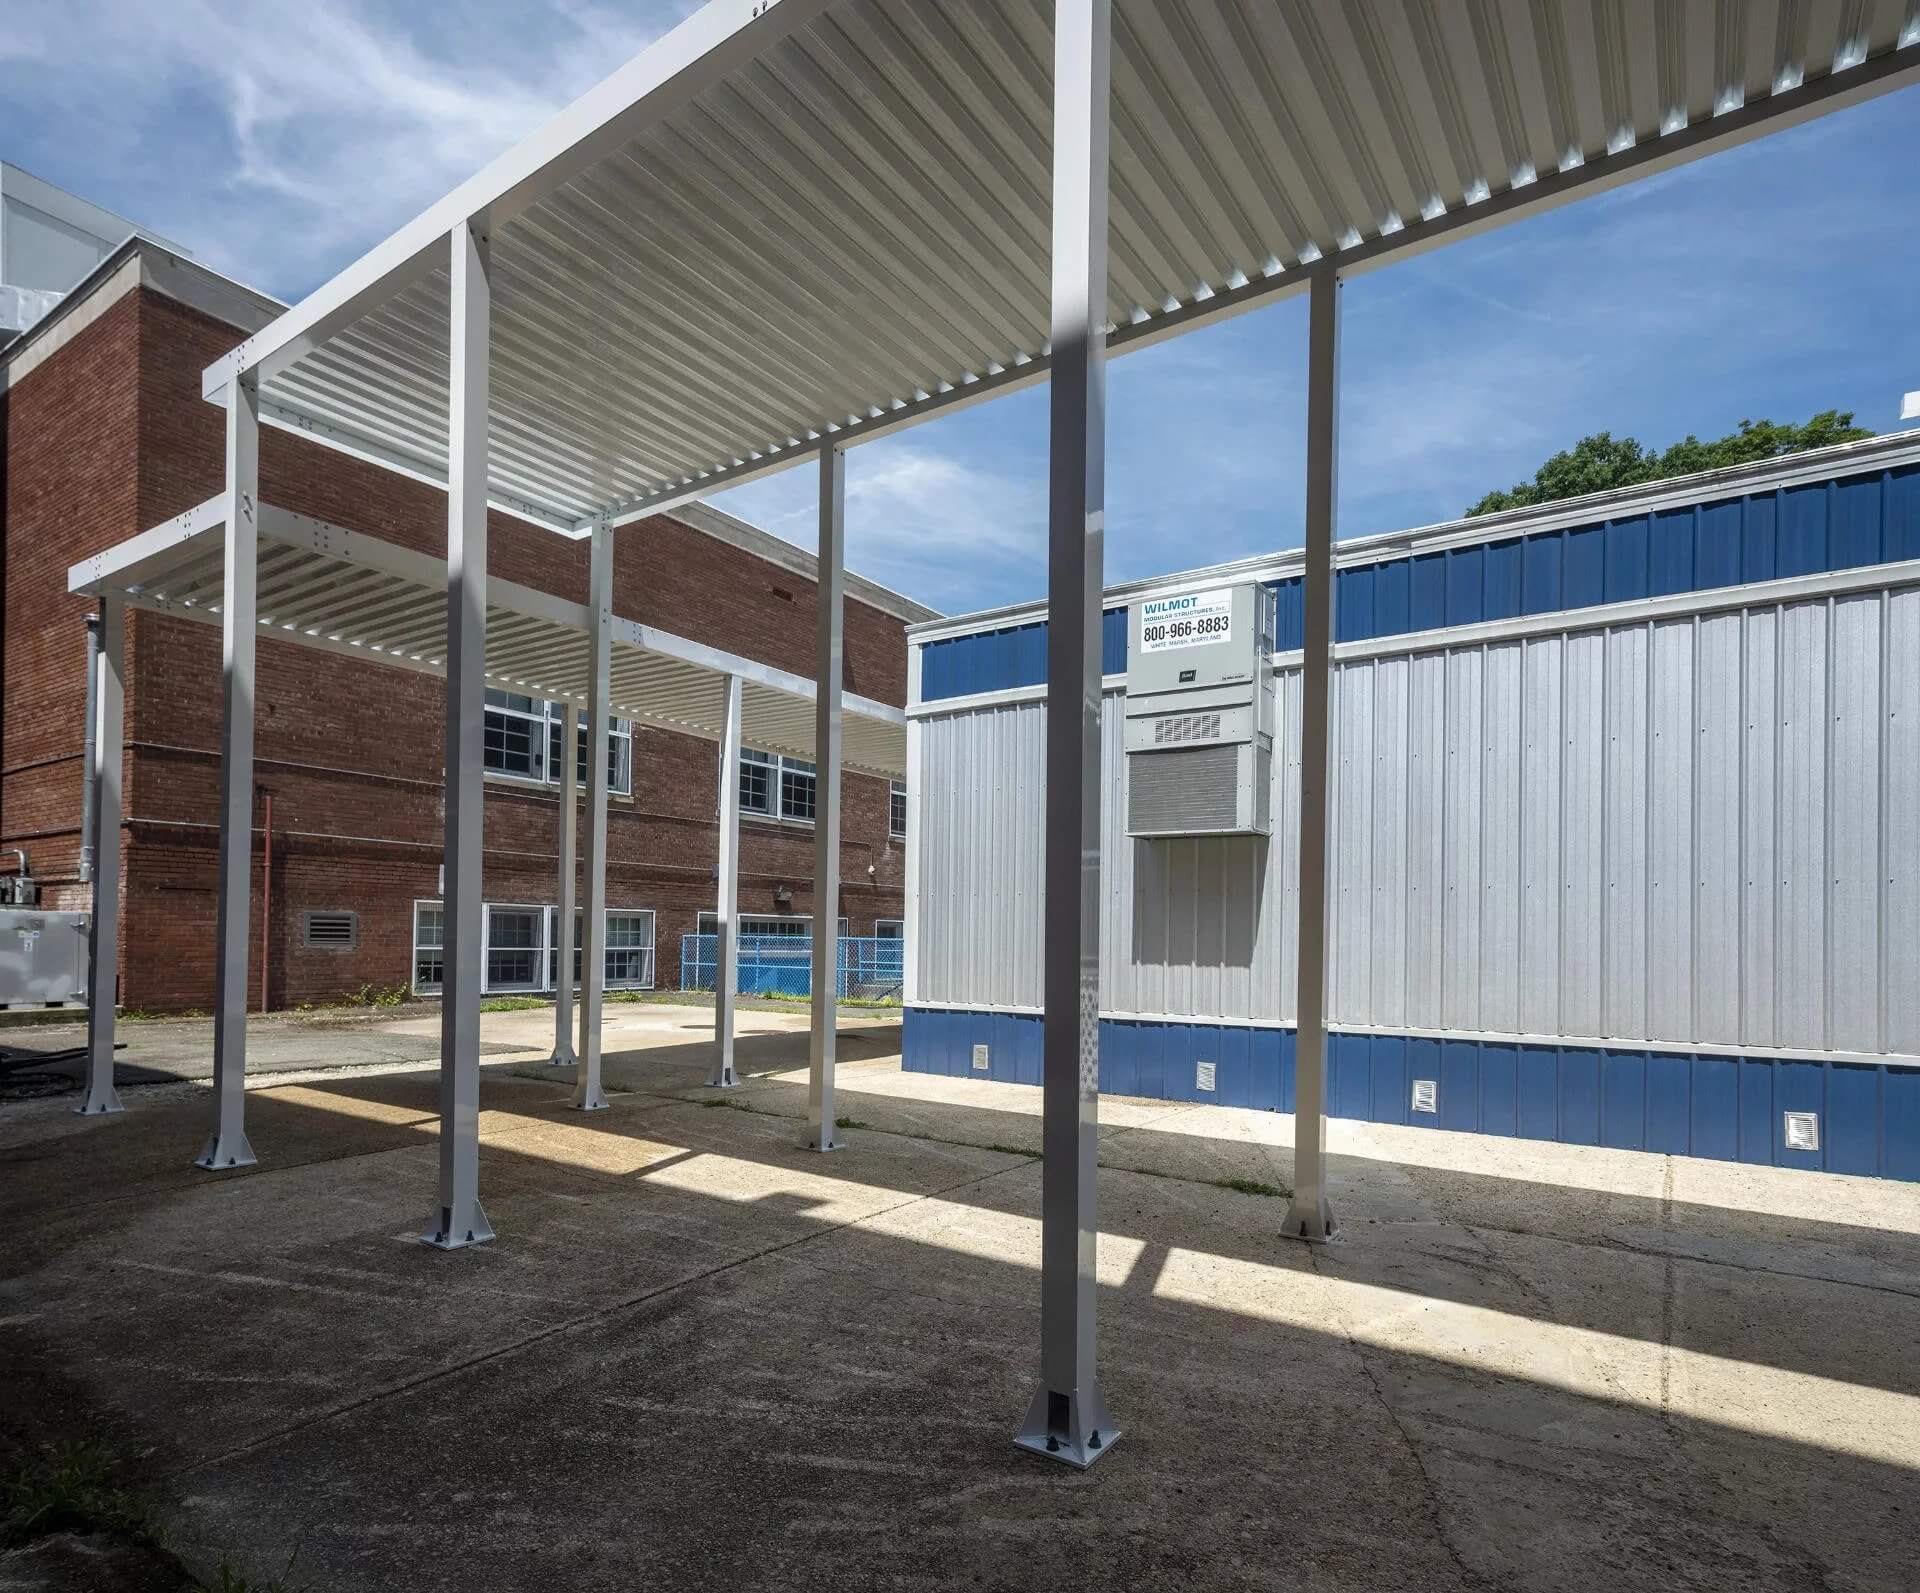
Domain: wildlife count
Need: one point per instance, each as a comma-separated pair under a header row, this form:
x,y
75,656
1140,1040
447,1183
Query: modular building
x,y
1626,824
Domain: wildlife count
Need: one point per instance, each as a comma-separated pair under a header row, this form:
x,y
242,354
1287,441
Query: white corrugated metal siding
x,y
1699,830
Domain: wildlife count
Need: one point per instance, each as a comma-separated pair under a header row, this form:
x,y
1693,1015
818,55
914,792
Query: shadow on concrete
x,y
702,1356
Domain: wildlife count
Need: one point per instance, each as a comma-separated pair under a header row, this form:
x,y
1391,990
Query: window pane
x,y
630,949
796,789
512,744
897,809
756,782
513,948
619,750
619,760
429,937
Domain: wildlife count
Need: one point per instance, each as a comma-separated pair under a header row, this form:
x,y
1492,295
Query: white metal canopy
x,y
327,587
831,217
793,225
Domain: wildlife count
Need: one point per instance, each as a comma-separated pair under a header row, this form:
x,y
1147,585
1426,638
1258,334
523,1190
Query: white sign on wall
x,y
1194,619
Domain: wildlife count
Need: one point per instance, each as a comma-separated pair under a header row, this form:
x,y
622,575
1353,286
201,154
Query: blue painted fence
x,y
782,965
1844,523
1691,1104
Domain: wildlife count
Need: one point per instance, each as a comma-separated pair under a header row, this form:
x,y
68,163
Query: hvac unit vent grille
x,y
1176,728
332,931
1178,793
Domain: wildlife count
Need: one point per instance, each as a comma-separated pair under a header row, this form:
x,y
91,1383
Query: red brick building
x,y
103,433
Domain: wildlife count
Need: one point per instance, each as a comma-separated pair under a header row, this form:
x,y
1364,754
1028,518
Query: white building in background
x,y
49,240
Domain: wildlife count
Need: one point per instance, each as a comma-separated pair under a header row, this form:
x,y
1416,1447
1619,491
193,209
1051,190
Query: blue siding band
x,y
1845,523
1681,1104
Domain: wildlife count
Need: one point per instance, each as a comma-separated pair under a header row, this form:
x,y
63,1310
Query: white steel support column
x,y
460,1219
587,1093
563,1052
233,915
829,678
1068,1419
1310,1217
726,975
103,939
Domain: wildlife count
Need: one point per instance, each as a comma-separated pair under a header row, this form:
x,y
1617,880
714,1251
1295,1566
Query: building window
x,y
619,750
797,781
889,929
522,741
515,740
513,948
776,787
897,810
758,773
629,950
523,948
429,931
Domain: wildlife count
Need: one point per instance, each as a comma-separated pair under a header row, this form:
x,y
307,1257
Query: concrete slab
x,y
702,1356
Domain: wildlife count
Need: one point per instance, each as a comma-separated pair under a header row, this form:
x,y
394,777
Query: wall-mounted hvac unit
x,y
1200,713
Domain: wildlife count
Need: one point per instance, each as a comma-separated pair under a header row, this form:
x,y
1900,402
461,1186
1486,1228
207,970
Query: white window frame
x,y
544,951
538,951
439,945
546,722
899,928
897,802
608,948
777,767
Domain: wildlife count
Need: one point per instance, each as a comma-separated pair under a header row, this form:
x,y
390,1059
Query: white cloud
x,y
278,141
931,523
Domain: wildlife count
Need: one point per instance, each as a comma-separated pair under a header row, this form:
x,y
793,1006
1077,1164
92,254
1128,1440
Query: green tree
x,y
1603,462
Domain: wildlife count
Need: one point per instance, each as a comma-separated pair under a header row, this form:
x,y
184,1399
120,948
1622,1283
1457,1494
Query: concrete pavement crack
x,y
1430,1491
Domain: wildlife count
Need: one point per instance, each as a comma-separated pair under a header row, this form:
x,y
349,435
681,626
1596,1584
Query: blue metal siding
x,y
1841,524
1845,523
1715,1107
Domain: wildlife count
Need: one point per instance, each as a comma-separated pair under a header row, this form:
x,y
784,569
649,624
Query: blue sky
x,y
281,140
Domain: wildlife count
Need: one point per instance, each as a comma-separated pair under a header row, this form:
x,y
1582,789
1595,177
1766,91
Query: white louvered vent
x,y
980,1063
1426,1095
1801,1131
1203,1075
1176,728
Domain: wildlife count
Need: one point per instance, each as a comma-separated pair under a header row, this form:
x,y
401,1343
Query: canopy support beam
x,y
564,1055
829,680
460,1219
1310,1217
726,952
1068,1419
103,778
228,1146
588,1096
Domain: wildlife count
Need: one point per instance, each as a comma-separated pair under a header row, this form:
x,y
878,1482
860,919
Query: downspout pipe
x,y
91,735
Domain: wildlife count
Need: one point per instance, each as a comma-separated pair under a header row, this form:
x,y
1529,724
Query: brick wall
x,y
119,439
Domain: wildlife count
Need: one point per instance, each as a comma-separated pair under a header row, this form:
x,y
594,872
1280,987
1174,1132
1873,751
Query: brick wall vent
x,y
331,931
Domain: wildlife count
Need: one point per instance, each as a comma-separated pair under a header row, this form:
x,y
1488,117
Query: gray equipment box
x,y
1200,712
43,957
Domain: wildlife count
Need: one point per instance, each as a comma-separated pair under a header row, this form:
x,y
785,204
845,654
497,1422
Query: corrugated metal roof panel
x,y
856,218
